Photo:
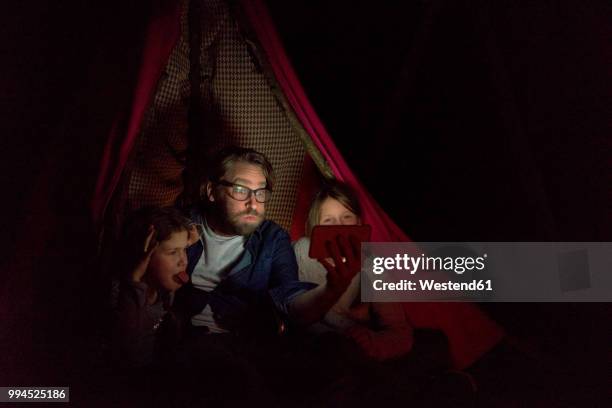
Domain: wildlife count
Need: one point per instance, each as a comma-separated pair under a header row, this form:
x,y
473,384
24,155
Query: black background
x,y
467,120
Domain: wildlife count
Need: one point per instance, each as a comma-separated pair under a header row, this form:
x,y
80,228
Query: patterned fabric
x,y
156,177
245,111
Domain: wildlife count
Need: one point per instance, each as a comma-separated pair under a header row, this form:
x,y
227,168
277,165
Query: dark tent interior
x,y
466,120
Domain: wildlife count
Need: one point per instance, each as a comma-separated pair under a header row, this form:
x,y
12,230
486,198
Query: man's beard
x,y
234,225
243,228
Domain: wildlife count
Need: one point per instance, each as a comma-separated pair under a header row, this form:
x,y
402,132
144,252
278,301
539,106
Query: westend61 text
x,y
432,285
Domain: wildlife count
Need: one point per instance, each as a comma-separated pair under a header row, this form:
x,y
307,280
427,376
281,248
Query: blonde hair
x,y
338,191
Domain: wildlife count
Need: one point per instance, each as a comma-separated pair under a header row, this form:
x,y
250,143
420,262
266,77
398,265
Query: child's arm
x,y
137,314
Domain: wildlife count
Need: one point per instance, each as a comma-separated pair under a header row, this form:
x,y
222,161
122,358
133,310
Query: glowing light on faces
x,y
240,217
332,212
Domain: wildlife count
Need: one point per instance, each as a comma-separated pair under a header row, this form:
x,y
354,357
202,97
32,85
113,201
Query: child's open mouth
x,y
181,278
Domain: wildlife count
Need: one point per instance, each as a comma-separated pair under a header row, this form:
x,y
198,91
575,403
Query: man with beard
x,y
243,269
244,287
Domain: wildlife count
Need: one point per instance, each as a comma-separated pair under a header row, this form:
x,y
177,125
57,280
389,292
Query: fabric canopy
x,y
469,331
161,36
383,228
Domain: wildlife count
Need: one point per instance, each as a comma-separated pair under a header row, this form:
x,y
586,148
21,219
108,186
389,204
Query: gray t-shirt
x,y
219,256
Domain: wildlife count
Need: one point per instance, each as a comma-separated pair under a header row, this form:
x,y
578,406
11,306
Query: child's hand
x,y
194,235
150,245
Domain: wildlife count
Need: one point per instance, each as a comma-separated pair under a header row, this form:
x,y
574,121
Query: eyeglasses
x,y
242,193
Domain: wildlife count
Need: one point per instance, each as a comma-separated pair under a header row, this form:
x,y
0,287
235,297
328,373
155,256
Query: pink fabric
x,y
469,331
383,228
162,34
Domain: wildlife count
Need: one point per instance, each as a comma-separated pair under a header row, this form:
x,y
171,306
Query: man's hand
x,y
346,263
311,306
149,246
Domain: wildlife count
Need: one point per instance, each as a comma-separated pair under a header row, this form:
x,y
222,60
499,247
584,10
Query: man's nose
x,y
252,202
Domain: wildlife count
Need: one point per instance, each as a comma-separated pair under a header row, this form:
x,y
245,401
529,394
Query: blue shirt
x,y
265,275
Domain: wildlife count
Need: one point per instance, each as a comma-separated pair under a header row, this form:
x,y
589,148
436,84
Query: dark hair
x,y
338,191
165,220
226,157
